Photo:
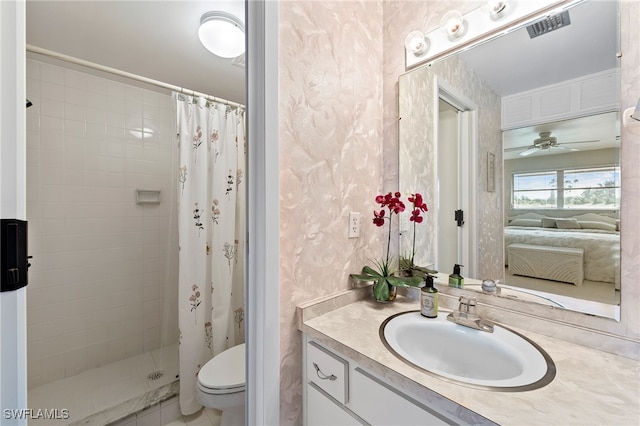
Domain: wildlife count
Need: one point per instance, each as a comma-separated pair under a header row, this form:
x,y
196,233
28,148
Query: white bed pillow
x,y
567,223
535,223
590,224
594,217
548,222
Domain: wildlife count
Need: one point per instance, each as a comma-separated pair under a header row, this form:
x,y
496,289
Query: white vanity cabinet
x,y
338,391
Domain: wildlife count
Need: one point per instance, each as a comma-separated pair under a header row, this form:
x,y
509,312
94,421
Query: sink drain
x,y
155,375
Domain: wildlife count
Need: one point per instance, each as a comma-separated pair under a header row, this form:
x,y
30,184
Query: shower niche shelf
x,y
146,196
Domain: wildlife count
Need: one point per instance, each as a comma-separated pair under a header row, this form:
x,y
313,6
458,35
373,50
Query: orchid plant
x,y
407,262
419,207
383,278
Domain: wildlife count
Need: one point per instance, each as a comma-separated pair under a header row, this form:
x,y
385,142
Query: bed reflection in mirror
x,y
562,205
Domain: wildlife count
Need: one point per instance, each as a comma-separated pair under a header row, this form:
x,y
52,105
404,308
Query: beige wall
x,y
338,67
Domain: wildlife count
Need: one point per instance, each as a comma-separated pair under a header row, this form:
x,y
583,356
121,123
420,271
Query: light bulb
x,y
452,23
496,8
416,43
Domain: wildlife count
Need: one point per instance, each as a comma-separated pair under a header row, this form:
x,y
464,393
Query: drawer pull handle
x,y
321,375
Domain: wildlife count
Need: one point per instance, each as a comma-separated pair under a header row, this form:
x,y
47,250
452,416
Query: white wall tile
x,y
33,70
53,367
75,79
74,128
88,286
75,361
75,112
51,73
51,91
152,338
96,355
51,108
75,96
96,85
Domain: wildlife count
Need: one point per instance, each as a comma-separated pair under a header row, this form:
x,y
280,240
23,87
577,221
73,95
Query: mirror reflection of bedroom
x,y
561,138
562,201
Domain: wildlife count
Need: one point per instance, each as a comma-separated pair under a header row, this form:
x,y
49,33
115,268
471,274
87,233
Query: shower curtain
x,y
211,228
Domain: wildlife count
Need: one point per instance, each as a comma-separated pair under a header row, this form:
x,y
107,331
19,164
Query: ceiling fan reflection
x,y
546,142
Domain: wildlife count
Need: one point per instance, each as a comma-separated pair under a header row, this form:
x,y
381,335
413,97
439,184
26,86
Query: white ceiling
x,y
514,63
154,39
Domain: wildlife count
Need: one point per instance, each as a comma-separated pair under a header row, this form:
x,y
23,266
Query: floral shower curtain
x,y
211,227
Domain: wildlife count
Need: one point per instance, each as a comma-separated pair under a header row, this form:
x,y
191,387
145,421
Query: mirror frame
x,y
573,325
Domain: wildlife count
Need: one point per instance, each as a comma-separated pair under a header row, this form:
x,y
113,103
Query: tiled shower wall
x,y
104,268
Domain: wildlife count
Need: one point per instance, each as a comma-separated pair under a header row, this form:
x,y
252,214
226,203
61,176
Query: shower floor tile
x,y
94,391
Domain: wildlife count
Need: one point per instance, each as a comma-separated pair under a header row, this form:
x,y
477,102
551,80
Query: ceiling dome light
x,y
222,34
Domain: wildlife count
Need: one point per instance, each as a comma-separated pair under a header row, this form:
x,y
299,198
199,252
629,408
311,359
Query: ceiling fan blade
x,y
528,152
517,148
568,143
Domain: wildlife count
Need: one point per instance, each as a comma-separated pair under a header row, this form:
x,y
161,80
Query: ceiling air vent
x,y
548,24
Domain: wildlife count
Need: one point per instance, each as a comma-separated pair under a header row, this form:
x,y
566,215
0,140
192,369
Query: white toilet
x,y
221,385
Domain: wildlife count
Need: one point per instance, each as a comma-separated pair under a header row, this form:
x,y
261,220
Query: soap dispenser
x,y
455,279
429,298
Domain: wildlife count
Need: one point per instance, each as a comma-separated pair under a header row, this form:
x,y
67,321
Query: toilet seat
x,y
224,373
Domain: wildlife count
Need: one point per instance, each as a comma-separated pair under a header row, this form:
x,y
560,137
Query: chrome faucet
x,y
467,315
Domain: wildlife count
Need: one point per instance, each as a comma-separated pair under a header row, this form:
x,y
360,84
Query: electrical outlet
x,y
354,225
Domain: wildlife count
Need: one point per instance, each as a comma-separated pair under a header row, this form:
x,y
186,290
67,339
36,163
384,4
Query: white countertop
x,y
590,387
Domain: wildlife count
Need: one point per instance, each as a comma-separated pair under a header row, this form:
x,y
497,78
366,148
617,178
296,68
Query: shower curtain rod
x,y
77,61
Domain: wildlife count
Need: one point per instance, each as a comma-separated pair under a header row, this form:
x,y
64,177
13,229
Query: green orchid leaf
x,y
426,270
370,271
381,289
405,281
362,277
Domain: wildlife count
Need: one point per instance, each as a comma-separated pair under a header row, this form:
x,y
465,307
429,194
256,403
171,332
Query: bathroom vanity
x,y
350,377
339,391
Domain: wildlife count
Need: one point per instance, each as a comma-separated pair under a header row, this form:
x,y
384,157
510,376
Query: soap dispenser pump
x,y
455,279
429,298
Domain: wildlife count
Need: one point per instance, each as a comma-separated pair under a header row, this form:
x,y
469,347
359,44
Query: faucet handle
x,y
467,304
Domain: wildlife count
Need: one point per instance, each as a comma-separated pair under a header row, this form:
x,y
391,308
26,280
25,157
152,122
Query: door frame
x,y
468,166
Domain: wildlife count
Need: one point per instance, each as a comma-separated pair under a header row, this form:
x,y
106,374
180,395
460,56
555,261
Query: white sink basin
x,y
503,360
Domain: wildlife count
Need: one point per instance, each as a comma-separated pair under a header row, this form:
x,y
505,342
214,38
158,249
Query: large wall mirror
x,y
530,127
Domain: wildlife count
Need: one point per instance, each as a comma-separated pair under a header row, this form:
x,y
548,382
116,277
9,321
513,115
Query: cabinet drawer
x,y
379,404
321,411
328,371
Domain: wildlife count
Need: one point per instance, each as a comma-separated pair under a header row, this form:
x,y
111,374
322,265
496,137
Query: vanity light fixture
x,y
496,8
416,43
631,118
636,113
452,23
222,34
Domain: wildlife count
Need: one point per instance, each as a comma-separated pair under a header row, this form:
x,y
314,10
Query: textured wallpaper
x,y
331,160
